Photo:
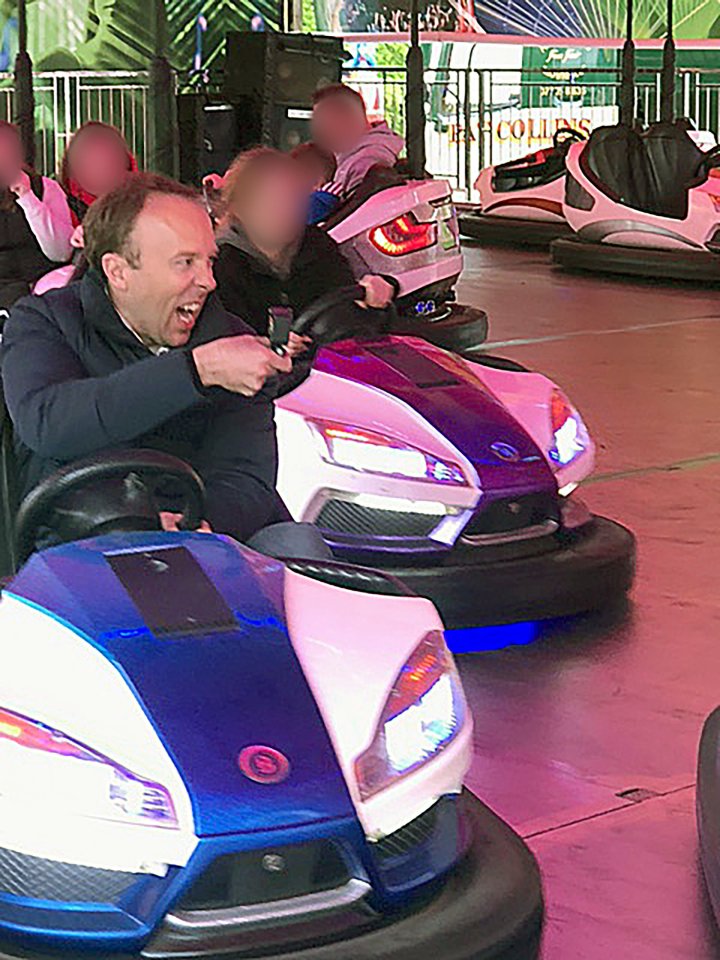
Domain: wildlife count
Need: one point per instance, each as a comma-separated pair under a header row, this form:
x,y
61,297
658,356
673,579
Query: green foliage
x,y
393,55
309,16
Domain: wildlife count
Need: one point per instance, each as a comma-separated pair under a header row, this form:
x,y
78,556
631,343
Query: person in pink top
x,y
340,125
35,223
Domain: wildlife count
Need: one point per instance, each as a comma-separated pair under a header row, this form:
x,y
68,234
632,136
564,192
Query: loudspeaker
x,y
280,68
209,136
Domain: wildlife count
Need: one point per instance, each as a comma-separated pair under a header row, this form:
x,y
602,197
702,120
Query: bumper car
x,y
643,205
708,808
646,203
196,762
521,202
408,229
456,475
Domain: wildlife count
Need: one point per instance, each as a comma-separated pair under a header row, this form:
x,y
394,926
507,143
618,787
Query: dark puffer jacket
x,y
248,284
77,382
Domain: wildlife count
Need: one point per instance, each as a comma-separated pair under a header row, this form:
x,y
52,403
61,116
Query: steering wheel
x,y
314,320
567,135
127,504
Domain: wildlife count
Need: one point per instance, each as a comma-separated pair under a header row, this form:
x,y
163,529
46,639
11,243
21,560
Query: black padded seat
x,y
520,175
675,164
614,161
652,172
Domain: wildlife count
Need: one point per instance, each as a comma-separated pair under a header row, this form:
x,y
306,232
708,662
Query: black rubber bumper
x,y
698,266
707,798
590,570
464,328
511,231
489,908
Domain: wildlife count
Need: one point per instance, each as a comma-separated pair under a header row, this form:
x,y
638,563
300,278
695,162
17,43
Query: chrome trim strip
x,y
511,536
198,923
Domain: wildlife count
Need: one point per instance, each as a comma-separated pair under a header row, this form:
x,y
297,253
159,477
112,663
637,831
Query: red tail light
x,y
403,235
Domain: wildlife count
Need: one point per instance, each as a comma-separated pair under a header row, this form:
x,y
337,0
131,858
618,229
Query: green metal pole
x,y
163,149
627,81
667,76
24,93
415,98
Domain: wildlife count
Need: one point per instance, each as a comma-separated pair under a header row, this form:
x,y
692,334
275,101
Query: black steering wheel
x,y
567,135
112,491
315,321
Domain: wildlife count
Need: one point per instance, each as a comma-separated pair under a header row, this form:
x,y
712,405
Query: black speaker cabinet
x,y
209,136
280,68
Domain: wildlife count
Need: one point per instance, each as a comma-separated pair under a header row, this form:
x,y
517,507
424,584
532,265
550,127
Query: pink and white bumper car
x,y
456,475
521,201
643,204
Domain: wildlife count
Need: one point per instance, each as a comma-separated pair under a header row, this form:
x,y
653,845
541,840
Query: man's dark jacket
x,y
77,381
248,285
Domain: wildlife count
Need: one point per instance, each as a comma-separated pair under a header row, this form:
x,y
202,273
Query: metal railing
x,y
66,100
477,117
474,117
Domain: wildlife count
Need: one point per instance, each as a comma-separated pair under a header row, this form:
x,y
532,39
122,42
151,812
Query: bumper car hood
x,y
218,676
454,401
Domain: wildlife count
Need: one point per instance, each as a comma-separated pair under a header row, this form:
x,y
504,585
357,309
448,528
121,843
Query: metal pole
x,y
667,76
627,79
163,149
415,98
24,93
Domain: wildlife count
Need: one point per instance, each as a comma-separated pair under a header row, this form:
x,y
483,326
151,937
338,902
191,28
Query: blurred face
x,y
99,162
11,157
162,285
272,209
338,124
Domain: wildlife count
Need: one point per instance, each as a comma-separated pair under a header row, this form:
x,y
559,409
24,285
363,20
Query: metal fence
x,y
479,117
64,101
474,117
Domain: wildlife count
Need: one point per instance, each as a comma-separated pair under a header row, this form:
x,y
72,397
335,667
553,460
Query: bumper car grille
x,y
513,514
414,834
344,516
264,876
40,879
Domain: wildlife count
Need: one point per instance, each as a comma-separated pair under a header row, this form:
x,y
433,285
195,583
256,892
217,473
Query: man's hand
x,y
21,184
240,364
378,292
170,523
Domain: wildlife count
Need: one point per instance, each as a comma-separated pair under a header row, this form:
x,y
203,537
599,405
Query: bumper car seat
x,y
652,172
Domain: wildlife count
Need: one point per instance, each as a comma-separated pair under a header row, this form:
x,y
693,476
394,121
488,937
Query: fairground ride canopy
x,y
596,19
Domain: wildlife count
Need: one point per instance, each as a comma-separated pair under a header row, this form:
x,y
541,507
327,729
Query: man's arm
x,y
238,462
61,413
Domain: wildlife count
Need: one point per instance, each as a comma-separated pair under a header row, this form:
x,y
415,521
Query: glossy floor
x,y
586,740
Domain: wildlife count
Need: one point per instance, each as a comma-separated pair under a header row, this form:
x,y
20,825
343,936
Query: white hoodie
x,y
379,147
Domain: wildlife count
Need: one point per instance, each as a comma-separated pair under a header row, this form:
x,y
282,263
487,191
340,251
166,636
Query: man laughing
x,y
140,353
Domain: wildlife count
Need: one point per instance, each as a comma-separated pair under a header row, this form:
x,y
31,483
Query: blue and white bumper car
x,y
205,752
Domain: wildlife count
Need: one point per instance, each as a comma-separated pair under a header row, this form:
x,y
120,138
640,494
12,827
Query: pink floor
x,y
609,705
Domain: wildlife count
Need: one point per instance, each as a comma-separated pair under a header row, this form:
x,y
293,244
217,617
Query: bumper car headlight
x,y
569,432
424,712
39,764
369,452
